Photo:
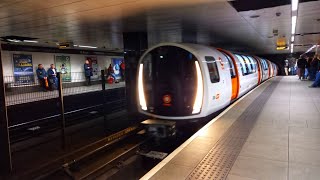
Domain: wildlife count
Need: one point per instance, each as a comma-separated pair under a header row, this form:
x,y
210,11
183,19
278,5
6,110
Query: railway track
x,y
93,159
24,131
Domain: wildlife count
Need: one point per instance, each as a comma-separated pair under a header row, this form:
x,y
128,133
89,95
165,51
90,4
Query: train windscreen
x,y
169,80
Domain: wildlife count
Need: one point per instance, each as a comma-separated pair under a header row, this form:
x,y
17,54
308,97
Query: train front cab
x,y
169,79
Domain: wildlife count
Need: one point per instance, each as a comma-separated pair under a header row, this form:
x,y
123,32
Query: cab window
x,y
213,69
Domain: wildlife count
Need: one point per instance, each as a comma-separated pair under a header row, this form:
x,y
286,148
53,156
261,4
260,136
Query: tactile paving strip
x,y
220,159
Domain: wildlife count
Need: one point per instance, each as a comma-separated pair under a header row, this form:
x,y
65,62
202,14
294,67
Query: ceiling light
x,y
14,40
294,5
87,46
30,41
311,48
291,48
292,38
294,23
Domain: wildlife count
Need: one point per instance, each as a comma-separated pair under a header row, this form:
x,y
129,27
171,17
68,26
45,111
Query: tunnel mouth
x,y
170,81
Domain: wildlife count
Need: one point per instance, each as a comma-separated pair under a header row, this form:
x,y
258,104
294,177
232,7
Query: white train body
x,y
188,81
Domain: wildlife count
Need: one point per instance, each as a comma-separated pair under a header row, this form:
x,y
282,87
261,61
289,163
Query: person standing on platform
x,y
42,77
286,67
52,75
302,66
122,69
313,68
316,82
87,72
308,68
111,73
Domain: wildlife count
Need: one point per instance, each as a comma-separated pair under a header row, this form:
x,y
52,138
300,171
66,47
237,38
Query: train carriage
x,y
188,81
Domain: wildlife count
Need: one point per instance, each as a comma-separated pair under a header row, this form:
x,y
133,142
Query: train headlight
x,y
199,96
142,99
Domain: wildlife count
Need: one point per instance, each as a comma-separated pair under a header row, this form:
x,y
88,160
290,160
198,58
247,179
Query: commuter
x,y
122,69
87,72
316,82
52,76
308,68
286,67
42,77
301,65
313,68
111,74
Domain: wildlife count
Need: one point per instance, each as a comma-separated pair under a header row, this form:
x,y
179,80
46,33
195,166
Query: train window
x,y
213,69
231,65
264,62
242,65
248,63
253,63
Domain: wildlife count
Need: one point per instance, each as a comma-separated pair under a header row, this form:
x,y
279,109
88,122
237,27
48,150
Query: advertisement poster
x,y
63,65
116,66
23,68
93,60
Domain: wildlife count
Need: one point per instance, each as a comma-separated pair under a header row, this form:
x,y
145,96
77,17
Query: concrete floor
x,y
284,142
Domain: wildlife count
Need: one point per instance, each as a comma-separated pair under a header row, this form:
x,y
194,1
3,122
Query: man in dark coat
x,y
87,72
42,76
52,76
302,62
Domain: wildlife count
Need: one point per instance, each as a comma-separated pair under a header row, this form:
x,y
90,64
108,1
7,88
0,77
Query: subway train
x,y
179,81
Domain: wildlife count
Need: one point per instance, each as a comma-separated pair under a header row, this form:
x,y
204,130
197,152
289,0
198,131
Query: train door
x,y
264,69
258,65
233,73
269,67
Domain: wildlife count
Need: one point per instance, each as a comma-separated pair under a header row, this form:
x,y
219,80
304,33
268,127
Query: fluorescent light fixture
x,y
14,40
75,45
87,46
142,99
199,96
294,23
30,41
311,48
291,48
292,38
294,5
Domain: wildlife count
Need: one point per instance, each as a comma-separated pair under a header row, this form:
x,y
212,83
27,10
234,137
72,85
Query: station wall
x,y
76,60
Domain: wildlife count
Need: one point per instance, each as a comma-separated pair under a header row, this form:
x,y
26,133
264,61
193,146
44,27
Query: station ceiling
x,y
252,26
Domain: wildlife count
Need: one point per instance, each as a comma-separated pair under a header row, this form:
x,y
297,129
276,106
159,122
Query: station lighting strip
x,y
310,49
294,15
83,46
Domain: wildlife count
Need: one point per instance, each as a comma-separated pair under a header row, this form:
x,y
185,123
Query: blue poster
x,y
23,68
116,66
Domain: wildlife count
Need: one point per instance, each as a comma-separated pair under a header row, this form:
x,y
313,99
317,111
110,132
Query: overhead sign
x,y
282,43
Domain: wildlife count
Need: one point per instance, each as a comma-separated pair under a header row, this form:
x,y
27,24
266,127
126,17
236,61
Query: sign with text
x,y
23,69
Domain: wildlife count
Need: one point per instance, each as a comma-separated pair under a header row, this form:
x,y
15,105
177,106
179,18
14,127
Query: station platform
x,y
39,96
270,133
